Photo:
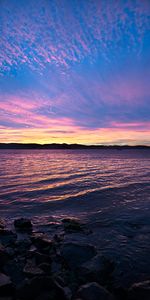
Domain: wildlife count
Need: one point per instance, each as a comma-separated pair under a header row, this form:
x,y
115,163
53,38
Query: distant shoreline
x,y
67,146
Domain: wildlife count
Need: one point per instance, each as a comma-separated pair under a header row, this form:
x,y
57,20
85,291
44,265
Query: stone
x,y
6,298
45,267
6,286
33,288
42,258
97,269
140,290
93,291
14,269
23,245
7,237
23,224
31,269
72,224
40,287
2,224
76,254
42,241
4,256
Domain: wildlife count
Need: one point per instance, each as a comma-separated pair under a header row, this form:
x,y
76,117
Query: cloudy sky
x,y
75,71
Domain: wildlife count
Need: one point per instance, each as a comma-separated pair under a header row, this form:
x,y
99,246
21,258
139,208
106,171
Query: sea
x,y
107,189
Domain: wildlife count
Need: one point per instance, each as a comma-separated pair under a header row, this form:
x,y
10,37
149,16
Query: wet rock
x,y
97,269
7,237
76,254
23,224
6,286
140,290
93,291
31,269
72,225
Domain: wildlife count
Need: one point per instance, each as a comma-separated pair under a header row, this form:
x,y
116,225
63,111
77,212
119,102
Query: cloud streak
x,y
62,33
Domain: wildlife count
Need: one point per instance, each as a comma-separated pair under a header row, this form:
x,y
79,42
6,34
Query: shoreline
x,y
50,264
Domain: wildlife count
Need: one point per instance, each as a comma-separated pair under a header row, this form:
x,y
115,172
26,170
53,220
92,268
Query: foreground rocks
x,y
36,266
93,291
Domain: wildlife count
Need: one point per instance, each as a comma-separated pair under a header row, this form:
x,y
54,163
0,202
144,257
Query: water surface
x,y
108,189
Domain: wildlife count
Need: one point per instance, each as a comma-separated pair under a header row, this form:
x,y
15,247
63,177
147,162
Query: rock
x,y
33,288
40,287
14,269
56,267
6,298
45,267
76,254
93,291
42,258
71,225
2,224
97,269
42,242
23,224
64,292
140,290
7,237
4,256
6,286
23,245
10,251
31,269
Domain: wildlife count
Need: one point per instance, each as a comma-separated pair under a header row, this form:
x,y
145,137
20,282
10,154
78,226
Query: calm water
x,y
108,189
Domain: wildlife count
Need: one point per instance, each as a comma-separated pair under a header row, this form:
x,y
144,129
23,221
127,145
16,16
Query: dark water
x,y
108,189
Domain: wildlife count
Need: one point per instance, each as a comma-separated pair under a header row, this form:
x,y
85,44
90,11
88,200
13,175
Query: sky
x,y
75,71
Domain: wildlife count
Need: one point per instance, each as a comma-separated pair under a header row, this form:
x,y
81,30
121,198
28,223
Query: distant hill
x,y
67,146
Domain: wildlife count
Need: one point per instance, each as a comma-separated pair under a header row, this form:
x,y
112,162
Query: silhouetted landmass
x,y
67,146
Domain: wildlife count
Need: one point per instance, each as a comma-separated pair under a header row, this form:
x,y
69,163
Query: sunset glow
x,y
75,71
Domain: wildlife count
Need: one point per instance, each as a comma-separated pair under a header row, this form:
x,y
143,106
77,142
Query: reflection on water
x,y
107,188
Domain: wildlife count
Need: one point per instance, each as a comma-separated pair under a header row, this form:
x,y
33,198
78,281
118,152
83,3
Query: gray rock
x,y
93,291
76,254
140,291
97,269
5,285
23,224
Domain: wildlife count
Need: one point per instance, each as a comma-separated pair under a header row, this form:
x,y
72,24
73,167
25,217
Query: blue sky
x,y
75,71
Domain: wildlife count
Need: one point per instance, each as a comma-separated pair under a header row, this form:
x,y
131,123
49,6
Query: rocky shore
x,y
41,266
